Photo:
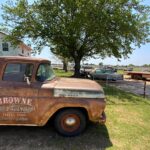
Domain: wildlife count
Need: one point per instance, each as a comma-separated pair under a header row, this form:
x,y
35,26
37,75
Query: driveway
x,y
133,86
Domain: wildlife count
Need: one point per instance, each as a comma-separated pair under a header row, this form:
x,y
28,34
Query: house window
x,y
5,46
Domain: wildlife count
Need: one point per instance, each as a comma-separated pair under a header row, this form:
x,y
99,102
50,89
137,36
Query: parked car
x,y
31,94
105,74
110,68
85,70
128,69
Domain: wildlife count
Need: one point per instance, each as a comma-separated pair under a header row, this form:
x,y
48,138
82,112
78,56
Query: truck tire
x,y
70,122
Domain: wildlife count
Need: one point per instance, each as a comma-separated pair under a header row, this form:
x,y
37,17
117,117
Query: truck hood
x,y
72,87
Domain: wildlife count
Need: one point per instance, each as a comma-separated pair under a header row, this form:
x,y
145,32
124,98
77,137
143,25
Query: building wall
x,y
12,50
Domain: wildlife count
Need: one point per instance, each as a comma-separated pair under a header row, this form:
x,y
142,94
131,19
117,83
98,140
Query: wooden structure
x,y
139,75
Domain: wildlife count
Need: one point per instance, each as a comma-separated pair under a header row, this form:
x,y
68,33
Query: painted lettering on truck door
x,y
18,100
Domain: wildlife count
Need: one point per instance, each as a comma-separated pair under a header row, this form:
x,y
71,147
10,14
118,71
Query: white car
x,y
105,74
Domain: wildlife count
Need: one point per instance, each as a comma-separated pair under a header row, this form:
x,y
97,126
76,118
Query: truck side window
x,y
44,72
17,72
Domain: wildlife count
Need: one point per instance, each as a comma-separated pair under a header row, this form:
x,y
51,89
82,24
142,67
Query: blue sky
x,y
139,56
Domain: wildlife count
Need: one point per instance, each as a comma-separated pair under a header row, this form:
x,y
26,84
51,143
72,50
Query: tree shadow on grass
x,y
96,137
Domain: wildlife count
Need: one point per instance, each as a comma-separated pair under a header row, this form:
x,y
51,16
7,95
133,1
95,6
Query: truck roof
x,y
20,58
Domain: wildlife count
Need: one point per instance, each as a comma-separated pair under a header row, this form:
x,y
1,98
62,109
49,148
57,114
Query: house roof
x,y
24,46
21,45
2,33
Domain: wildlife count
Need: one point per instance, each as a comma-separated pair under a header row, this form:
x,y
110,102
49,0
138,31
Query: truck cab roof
x,y
20,58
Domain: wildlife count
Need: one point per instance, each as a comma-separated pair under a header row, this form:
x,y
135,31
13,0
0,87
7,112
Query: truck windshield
x,y
45,72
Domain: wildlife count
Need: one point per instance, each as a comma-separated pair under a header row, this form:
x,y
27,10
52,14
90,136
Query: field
x,y
62,73
128,119
127,128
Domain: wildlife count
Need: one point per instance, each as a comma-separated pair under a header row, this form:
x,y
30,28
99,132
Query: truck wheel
x,y
70,122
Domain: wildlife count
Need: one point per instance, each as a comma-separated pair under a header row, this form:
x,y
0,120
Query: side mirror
x,y
27,80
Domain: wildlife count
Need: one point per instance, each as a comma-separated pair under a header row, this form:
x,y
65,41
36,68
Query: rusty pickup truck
x,y
31,95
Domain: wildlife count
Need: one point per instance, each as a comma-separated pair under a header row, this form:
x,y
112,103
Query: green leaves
x,y
81,28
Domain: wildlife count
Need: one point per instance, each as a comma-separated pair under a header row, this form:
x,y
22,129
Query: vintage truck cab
x,y
31,94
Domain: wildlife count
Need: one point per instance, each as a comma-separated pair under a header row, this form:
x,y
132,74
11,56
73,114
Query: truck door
x,y
17,98
45,84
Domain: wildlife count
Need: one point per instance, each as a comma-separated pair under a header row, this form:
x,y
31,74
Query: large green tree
x,y
83,28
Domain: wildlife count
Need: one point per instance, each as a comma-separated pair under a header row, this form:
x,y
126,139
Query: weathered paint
x,y
34,104
79,93
140,74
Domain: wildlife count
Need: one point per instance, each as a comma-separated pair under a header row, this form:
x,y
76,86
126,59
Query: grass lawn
x,y
127,126
128,120
134,69
62,73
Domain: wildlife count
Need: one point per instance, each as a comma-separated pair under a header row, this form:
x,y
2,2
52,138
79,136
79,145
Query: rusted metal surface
x,y
35,104
70,122
137,74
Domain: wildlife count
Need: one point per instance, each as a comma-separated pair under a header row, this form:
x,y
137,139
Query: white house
x,y
7,49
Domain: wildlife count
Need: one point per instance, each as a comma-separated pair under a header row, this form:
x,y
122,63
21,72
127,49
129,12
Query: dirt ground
x,y
133,86
96,137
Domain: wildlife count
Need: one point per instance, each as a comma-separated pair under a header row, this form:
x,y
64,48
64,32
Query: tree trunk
x,y
77,68
65,66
